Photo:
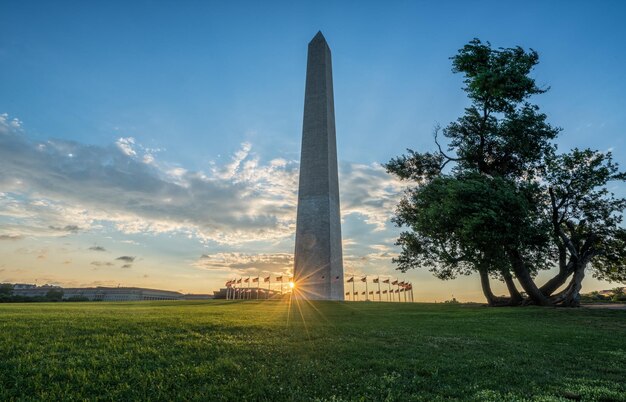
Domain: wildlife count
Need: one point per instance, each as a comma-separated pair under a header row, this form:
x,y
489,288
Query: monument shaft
x,y
318,270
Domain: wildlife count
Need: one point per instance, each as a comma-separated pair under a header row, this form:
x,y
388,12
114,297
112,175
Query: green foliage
x,y
618,295
458,224
54,295
587,213
77,298
593,297
496,79
467,219
500,133
262,351
6,290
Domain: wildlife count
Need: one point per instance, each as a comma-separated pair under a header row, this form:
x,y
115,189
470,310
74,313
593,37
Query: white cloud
x,y
369,192
126,145
8,125
126,186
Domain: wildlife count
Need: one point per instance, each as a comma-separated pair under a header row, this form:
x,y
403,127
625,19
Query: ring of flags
x,y
396,290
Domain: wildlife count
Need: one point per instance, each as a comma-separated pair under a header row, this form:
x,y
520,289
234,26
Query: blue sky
x,y
183,121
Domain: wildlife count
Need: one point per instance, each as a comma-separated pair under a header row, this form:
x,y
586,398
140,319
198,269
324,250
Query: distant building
x,y
121,294
102,293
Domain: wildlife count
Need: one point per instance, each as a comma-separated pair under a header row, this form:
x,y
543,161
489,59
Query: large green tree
x,y
499,201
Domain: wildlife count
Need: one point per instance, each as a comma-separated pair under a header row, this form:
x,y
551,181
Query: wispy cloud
x,y
11,237
102,263
66,228
126,258
58,188
246,264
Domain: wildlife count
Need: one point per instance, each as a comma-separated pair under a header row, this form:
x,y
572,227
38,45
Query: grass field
x,y
219,350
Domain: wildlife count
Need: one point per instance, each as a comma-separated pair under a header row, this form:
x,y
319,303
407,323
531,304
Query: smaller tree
x,y
54,295
618,295
6,290
586,219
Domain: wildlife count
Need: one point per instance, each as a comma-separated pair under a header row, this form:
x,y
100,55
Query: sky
x,y
156,144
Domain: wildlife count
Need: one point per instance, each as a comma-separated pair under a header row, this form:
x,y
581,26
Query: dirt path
x,y
610,306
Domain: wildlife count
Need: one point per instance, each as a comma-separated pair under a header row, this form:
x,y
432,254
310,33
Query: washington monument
x,y
318,270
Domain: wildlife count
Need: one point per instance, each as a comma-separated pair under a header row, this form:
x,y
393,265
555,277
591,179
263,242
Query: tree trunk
x,y
484,281
524,278
516,298
573,297
558,280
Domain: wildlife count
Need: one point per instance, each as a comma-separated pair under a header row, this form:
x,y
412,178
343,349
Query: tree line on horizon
x,y
500,200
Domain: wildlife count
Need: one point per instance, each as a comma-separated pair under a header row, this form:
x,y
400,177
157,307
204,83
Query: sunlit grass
x,y
268,350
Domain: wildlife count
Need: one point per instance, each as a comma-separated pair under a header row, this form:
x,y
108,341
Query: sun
x,y
292,285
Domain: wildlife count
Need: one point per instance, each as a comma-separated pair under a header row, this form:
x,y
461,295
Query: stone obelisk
x,y
318,270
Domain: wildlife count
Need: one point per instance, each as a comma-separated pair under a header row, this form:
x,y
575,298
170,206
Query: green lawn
x,y
219,350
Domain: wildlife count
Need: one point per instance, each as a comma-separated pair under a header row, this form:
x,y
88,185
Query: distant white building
x,y
100,293
121,294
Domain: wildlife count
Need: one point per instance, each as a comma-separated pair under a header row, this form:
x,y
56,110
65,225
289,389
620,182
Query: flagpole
x,y
398,289
269,286
367,295
380,295
353,288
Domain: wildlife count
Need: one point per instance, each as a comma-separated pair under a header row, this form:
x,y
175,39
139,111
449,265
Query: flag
x,y
267,279
247,280
279,278
396,291
255,279
371,292
409,287
239,280
363,293
386,281
347,293
376,280
394,282
402,290
356,293
384,292
402,284
351,279
378,292
336,278
364,279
